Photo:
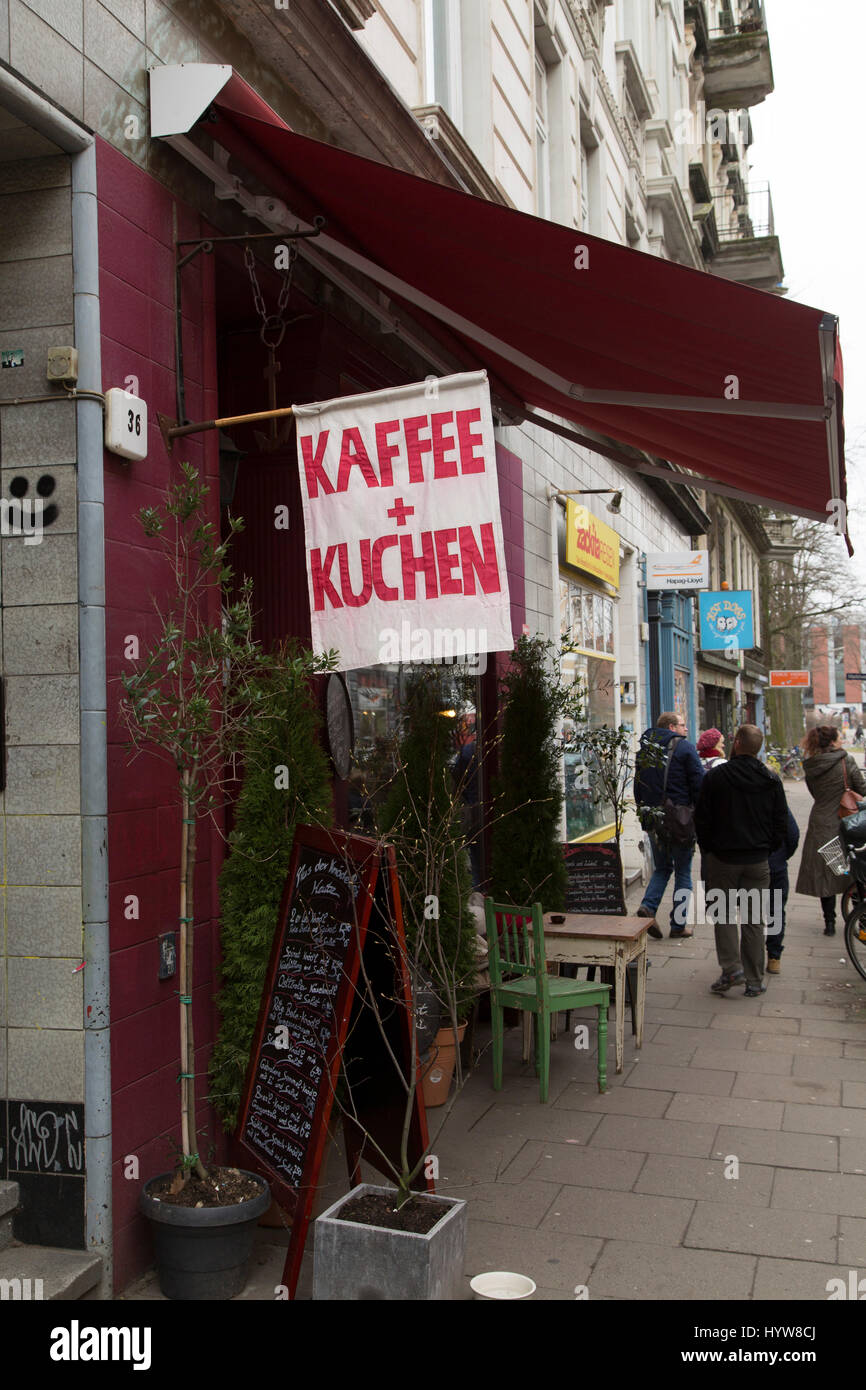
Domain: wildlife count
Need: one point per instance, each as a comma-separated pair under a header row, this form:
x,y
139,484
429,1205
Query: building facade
x,y
591,114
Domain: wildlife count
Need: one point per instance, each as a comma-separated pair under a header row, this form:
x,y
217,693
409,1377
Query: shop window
x,y
589,640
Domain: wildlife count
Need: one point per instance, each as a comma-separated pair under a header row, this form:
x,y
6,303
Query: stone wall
x,y
42,1037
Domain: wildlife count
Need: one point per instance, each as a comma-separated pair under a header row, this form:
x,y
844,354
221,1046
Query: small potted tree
x,y
397,1243
193,697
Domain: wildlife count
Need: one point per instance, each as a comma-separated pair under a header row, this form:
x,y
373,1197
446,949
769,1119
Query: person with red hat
x,y
711,748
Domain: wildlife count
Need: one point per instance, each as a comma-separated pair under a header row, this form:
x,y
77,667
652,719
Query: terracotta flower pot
x,y
439,1069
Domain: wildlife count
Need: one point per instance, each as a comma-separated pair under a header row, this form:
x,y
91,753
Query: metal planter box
x,y
352,1262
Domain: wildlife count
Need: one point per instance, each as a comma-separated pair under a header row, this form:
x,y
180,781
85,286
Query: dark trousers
x,y
776,934
828,907
739,946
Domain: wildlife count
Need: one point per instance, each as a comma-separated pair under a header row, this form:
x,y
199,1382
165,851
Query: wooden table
x,y
613,941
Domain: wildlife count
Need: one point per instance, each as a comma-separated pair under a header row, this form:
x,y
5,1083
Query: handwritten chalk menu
x,y
594,879
309,997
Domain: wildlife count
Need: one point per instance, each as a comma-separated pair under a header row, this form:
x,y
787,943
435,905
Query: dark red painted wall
x,y
137,295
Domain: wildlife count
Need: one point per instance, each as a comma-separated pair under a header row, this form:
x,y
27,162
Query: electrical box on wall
x,y
628,692
125,424
62,364
644,632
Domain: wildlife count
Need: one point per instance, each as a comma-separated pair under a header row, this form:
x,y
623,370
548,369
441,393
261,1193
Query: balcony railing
x,y
744,221
753,21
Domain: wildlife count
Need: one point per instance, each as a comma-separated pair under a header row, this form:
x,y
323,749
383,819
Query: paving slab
x,y
842,1194
680,1017
777,1148
725,1110
820,1068
795,1046
852,1155
626,1100
515,1204
756,1022
754,1230
854,1093
554,1259
825,1119
772,1009
581,1167
852,1244
706,1037
667,1055
787,1088
635,1271
535,1121
632,1216
784,1280
654,1136
761,1063
709,1083
705,1180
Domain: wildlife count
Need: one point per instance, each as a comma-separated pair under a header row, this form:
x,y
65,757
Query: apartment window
x,y
442,49
542,138
584,189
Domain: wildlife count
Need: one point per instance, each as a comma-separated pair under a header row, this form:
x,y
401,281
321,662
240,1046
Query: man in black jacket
x,y
661,748
741,817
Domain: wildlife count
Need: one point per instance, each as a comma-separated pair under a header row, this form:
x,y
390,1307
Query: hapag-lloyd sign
x,y
403,530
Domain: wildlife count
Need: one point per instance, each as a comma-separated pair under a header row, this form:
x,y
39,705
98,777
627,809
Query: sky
x,y
808,145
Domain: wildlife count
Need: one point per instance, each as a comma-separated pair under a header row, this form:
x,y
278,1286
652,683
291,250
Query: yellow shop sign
x,y
590,545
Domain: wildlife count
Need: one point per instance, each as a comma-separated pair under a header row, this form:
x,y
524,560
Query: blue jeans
x,y
667,860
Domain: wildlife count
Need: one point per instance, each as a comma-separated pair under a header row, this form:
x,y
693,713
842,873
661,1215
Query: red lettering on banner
x,y
415,446
470,461
447,561
442,444
313,466
472,562
353,454
321,577
353,600
383,590
411,563
385,452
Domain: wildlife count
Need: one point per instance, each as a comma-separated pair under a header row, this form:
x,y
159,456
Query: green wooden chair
x,y
515,943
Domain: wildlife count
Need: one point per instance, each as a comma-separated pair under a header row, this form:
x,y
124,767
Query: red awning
x,y
738,385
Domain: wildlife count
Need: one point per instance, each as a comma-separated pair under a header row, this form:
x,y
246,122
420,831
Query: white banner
x,y
685,569
404,550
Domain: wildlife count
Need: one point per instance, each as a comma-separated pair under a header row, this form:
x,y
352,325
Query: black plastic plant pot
x,y
202,1253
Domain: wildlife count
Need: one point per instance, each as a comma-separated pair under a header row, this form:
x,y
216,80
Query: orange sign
x,y
786,679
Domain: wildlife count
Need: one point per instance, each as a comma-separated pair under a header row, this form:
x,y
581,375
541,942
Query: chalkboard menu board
x,y
309,997
594,879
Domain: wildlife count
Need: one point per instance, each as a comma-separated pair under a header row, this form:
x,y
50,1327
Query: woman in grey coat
x,y
822,763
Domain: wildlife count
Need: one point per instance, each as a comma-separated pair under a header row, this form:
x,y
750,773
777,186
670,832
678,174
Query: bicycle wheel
x,y
855,938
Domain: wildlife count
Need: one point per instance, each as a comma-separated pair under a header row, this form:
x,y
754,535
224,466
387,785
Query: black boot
x,y
829,906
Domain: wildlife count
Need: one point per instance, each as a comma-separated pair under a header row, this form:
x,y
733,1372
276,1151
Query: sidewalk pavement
x,y
726,1161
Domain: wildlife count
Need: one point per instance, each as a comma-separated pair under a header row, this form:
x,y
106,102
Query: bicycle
x,y
843,857
792,765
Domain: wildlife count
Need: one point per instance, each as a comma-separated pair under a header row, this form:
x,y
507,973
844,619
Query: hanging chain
x,y
273,325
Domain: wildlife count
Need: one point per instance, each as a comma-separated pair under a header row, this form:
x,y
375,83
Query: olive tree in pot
x,y
396,1243
194,694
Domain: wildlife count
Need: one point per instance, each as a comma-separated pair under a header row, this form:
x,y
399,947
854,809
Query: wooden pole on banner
x,y
171,430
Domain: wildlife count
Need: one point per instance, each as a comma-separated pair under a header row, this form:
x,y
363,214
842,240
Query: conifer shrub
x,y
527,863
421,815
286,781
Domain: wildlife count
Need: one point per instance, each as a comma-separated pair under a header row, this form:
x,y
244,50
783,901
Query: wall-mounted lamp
x,y
614,505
